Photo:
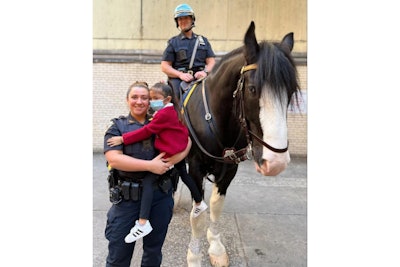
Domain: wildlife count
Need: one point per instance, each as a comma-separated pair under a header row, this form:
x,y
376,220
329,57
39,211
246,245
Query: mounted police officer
x,y
188,56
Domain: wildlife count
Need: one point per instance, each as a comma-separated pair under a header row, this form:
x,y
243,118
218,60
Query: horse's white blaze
x,y
274,127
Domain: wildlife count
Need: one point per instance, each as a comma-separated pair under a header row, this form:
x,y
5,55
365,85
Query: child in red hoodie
x,y
171,138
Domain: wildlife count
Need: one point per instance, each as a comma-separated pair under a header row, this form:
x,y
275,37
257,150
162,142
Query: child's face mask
x,y
157,104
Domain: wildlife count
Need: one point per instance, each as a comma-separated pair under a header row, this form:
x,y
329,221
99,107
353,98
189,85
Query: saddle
x,y
187,89
184,86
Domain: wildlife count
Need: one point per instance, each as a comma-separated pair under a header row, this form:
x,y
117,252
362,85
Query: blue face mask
x,y
156,104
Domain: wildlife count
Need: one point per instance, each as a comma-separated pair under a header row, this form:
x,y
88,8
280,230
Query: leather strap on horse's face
x,y
248,67
239,93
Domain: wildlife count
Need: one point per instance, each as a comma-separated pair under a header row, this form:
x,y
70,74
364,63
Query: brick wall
x,y
111,81
297,121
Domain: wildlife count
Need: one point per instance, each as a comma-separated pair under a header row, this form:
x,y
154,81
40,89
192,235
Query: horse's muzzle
x,y
273,167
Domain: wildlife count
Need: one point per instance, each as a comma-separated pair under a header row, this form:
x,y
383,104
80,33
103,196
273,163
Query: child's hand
x,y
115,141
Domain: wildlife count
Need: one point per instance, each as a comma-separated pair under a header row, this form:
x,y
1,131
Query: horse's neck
x,y
219,97
222,83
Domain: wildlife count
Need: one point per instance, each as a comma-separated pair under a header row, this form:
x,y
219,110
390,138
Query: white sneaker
x,y
197,210
138,231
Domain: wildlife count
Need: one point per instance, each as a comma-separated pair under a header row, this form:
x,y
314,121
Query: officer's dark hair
x,y
166,91
137,84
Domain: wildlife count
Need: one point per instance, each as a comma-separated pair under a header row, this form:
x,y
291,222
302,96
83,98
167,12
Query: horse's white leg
x,y
198,225
216,251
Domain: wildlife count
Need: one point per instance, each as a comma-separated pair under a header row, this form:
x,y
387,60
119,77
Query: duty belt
x,y
191,71
131,176
134,179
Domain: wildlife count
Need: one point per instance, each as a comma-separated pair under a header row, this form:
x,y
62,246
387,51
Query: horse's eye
x,y
252,89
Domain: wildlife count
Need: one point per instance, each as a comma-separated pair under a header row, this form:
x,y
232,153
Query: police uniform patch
x,y
201,40
147,144
111,123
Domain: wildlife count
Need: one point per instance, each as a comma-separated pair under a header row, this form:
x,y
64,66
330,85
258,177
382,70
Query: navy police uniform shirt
x,y
123,124
180,49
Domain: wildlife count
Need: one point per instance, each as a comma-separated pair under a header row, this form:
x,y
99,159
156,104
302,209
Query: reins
x,y
230,155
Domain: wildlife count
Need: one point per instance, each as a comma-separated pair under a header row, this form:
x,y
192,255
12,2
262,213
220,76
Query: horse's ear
x,y
251,45
288,42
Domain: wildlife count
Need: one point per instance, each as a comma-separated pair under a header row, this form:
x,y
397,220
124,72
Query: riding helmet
x,y
183,10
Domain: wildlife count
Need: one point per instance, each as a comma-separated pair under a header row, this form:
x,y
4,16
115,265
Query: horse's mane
x,y
276,68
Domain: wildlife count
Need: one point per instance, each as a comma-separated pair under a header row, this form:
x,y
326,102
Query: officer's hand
x,y
179,156
158,165
200,74
187,77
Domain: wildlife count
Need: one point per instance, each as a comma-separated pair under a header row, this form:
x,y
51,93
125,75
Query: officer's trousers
x,y
121,218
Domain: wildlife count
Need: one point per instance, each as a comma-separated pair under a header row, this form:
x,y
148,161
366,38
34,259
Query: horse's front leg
x,y
216,251
194,254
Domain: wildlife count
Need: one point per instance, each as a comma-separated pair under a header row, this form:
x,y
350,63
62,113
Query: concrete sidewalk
x,y
264,222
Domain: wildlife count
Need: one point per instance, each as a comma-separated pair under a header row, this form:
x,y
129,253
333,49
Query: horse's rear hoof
x,y
219,261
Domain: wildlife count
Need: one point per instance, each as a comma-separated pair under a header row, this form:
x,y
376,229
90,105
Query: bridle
x,y
230,155
238,94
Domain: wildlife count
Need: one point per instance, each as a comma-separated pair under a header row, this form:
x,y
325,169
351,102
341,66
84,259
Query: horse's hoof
x,y
219,261
193,260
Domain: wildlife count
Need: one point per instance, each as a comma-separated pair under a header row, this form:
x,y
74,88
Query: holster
x,y
112,178
113,187
168,180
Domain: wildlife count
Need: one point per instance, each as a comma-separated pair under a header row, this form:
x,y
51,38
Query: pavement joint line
x,y
242,245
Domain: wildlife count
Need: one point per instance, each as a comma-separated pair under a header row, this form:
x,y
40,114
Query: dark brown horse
x,y
237,113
